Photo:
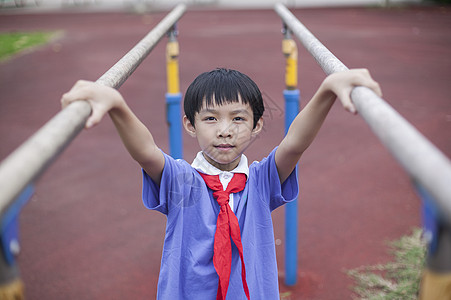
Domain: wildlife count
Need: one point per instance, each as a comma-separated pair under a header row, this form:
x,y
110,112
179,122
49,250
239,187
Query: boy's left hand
x,y
342,83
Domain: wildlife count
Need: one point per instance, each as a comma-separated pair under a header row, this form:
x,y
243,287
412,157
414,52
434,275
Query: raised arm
x,y
307,123
134,134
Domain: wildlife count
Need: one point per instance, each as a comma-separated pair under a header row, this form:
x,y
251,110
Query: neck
x,y
223,167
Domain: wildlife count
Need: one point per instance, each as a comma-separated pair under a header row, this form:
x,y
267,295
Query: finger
x,y
374,86
345,99
350,107
92,121
65,100
77,92
97,113
73,96
377,89
368,81
81,83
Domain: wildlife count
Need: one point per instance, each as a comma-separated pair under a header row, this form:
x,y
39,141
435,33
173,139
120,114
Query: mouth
x,y
224,147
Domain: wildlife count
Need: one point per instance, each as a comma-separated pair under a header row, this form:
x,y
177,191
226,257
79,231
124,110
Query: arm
x,y
135,136
307,123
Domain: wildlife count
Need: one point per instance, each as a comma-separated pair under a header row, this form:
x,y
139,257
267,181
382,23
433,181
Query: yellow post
x,y
172,65
13,290
290,51
435,286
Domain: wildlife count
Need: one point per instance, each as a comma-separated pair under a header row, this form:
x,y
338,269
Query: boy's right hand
x,y
101,98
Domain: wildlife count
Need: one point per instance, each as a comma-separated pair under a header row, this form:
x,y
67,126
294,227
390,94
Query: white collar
x,y
202,165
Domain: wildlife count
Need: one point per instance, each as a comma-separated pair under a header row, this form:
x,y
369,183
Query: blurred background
x,y
163,4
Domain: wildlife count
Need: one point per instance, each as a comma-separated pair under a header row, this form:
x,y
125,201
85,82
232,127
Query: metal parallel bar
x,y
117,75
28,161
418,156
328,62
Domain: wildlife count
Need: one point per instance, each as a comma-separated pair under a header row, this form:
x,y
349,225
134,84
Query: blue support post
x,y
174,119
291,209
11,286
430,217
9,225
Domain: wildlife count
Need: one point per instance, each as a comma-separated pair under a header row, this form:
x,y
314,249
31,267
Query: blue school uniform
x,y
187,270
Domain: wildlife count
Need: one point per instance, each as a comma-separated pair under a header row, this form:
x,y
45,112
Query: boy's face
x,y
224,132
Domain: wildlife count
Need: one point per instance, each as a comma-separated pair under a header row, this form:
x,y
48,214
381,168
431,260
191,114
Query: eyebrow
x,y
207,111
233,112
240,111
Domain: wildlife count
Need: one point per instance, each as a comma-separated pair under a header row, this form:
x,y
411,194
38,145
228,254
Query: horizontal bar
x,y
27,162
117,75
417,155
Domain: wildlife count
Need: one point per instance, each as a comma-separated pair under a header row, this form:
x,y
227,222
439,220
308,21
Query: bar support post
x,y
173,96
291,95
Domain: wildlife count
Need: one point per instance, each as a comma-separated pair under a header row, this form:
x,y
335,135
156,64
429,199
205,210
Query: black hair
x,y
222,86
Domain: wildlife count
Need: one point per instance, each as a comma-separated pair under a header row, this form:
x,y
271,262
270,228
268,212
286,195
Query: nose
x,y
225,129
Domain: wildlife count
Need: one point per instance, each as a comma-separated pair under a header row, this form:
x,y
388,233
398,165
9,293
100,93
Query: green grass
x,y
15,42
395,280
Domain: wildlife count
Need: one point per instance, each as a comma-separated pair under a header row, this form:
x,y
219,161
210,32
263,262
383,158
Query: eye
x,y
239,119
209,119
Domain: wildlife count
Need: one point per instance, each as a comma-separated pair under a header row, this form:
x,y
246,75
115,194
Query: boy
x,y
218,198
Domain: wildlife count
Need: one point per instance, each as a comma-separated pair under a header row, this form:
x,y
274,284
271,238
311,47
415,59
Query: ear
x,y
258,127
189,127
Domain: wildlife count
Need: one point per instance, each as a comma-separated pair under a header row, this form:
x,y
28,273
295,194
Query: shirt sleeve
x,y
267,181
177,182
